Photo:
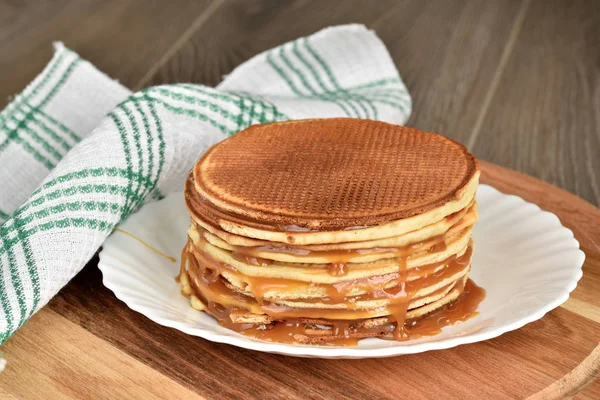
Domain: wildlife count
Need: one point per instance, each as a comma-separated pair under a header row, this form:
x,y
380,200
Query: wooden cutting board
x,y
88,344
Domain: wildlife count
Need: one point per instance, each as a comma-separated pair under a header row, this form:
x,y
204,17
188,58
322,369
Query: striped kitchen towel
x,y
79,152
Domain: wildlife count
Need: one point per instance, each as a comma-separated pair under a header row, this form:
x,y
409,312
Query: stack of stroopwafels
x,y
329,230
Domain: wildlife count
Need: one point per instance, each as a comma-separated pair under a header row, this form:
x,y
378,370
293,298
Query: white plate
x,y
524,258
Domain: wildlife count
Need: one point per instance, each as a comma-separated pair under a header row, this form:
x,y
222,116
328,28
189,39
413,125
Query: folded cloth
x,y
79,152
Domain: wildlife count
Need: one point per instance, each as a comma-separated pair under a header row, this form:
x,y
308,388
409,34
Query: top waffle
x,y
332,174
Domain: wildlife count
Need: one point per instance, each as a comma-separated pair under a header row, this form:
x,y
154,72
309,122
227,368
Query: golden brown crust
x,y
329,174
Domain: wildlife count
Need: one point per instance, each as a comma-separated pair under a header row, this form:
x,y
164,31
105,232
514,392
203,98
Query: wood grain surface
x,y
543,118
517,81
67,362
124,39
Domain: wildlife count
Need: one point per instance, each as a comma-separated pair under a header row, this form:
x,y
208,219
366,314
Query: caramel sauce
x,y
338,269
282,332
205,272
408,283
288,331
339,259
257,285
438,247
208,285
345,333
280,311
131,235
350,301
455,216
459,311
185,252
400,301
332,326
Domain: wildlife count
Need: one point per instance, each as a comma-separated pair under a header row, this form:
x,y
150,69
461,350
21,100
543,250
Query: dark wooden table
x,y
518,82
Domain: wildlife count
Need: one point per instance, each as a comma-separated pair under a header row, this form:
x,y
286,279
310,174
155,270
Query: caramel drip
x,y
347,333
146,245
214,284
282,332
257,285
350,301
377,287
293,330
338,269
401,299
183,263
280,311
339,259
206,274
407,282
459,311
438,247
208,285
